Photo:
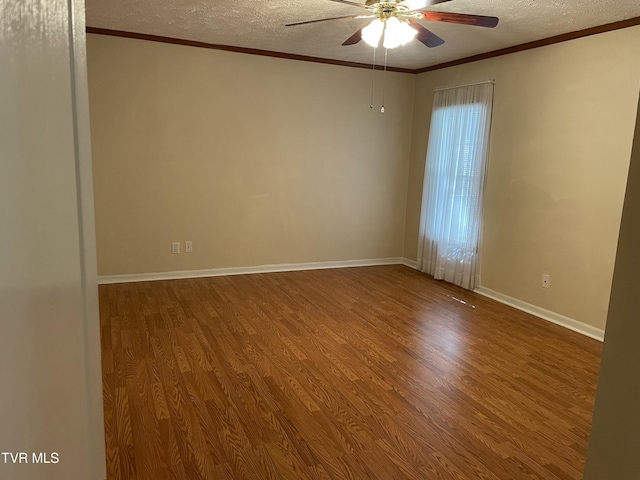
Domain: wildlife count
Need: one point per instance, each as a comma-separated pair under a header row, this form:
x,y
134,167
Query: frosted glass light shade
x,y
372,33
397,33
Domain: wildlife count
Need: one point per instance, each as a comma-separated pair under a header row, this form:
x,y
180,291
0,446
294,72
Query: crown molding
x,y
231,48
609,27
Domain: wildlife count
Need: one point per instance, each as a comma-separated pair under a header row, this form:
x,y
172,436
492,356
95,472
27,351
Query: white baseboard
x,y
217,272
548,315
410,263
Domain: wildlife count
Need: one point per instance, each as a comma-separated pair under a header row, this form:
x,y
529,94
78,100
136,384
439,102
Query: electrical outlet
x,y
175,247
546,280
188,246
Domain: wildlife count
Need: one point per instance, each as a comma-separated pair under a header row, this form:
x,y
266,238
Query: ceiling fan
x,y
397,22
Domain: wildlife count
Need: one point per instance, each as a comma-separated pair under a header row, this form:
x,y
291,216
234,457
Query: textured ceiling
x,y
260,24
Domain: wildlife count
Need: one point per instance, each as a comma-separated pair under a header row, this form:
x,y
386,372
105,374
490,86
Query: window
x,y
454,183
460,156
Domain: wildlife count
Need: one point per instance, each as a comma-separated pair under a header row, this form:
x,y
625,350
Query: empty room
x,y
320,240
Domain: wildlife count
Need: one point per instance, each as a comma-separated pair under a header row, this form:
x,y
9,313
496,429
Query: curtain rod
x,y
449,87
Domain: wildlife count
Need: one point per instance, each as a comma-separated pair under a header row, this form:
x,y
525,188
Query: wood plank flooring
x,y
358,373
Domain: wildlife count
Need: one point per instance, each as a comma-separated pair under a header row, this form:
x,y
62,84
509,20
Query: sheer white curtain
x,y
454,177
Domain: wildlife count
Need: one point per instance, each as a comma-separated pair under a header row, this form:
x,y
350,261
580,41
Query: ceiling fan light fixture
x,y
397,33
372,33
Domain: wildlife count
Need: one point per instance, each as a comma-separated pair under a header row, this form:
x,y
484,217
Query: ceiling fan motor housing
x,y
373,3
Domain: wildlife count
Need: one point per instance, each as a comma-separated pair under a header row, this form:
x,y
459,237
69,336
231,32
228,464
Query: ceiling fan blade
x,y
353,39
321,20
355,4
460,18
425,36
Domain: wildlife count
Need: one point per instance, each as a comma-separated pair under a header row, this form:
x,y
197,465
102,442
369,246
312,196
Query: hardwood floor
x,y
358,373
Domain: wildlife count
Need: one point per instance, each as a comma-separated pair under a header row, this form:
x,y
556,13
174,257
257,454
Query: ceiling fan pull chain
x,y
384,75
373,72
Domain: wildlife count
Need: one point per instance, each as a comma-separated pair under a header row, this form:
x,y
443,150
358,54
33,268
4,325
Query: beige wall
x,y
561,139
256,160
